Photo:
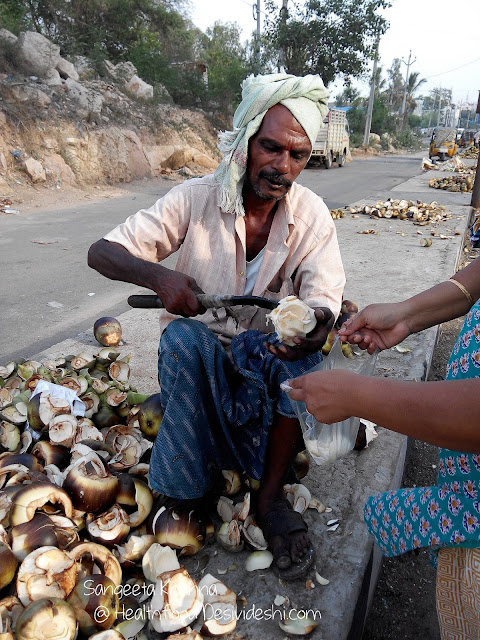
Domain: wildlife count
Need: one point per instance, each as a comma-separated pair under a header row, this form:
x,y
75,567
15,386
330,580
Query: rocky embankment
x,y
62,123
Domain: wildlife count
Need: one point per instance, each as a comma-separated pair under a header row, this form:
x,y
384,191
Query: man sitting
x,y
247,229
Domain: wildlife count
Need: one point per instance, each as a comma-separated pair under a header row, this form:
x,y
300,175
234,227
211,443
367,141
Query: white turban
x,y
305,97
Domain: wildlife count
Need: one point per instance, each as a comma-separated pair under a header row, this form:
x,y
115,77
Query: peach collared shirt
x,y
302,256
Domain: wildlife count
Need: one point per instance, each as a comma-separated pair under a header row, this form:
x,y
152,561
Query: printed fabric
x,y
475,230
447,514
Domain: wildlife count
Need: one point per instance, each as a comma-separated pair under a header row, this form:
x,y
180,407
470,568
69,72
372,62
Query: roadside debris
x,y
462,183
420,213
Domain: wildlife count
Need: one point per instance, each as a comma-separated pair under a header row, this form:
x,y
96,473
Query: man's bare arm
x,y
176,290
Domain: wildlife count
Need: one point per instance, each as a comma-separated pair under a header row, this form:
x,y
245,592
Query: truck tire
x,y
441,157
341,160
328,161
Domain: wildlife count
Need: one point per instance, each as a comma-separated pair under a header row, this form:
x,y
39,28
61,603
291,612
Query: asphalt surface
x,y
48,292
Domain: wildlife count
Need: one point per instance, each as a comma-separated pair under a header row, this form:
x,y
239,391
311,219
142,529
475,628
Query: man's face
x,y
277,153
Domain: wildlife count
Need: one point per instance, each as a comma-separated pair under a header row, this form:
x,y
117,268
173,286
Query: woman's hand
x,y
378,326
326,394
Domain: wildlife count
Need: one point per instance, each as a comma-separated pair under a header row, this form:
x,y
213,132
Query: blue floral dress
x,y
447,514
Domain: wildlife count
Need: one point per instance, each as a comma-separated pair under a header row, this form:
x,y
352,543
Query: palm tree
x,y
413,84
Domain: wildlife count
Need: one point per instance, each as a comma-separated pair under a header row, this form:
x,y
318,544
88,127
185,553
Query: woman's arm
x,y
381,326
445,413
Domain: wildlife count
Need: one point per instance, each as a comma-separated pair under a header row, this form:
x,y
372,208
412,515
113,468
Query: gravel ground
x,y
404,604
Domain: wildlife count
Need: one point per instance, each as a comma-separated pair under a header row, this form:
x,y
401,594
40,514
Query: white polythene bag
x,y
328,442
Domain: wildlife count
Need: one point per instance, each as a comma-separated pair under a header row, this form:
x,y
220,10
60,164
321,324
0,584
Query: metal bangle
x,y
463,290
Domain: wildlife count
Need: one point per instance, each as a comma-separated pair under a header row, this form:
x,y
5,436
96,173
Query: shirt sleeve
x,y
320,277
155,233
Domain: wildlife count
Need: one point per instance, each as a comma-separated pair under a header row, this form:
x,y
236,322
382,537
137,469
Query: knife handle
x,y
145,301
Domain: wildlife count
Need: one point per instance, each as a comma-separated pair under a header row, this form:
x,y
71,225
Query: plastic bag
x,y
327,442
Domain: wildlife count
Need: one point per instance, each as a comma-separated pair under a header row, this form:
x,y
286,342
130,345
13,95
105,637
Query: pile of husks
x,y
86,546
460,183
419,212
471,152
81,532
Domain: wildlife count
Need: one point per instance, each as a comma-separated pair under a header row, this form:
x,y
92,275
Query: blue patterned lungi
x,y
217,410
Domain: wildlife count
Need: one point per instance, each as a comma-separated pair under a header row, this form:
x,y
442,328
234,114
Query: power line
x,y
451,70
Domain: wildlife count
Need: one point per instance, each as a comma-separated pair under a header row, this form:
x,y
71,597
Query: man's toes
x,y
281,556
299,546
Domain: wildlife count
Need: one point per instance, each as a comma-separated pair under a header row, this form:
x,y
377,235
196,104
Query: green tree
x,y
347,97
328,37
394,90
227,64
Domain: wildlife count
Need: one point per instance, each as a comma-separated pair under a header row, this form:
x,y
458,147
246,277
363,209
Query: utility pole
x,y
368,121
256,16
281,53
409,64
439,106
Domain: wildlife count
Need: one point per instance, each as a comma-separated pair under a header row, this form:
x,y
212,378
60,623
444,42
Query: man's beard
x,y
276,178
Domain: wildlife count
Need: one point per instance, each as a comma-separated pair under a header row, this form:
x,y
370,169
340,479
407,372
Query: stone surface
x,y
139,88
7,36
53,79
24,93
179,158
125,71
83,67
156,156
59,168
66,69
88,101
205,161
36,53
35,170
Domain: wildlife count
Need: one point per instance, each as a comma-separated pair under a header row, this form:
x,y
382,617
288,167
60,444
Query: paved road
x,y
43,254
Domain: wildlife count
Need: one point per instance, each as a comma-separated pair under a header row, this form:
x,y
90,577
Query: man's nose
x,y
281,162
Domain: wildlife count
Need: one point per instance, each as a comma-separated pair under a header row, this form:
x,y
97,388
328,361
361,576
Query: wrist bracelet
x,y
463,290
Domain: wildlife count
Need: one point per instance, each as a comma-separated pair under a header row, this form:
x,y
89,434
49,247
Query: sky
x,y
443,35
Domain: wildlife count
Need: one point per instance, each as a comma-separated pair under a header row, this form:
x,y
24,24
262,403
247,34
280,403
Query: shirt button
x,y
242,273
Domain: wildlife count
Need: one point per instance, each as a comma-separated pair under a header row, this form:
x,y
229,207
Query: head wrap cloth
x,y
305,97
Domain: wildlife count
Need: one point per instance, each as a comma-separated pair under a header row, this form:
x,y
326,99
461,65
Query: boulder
x,y
7,37
205,161
51,144
67,70
24,93
83,67
125,71
157,155
36,54
374,139
179,158
139,88
59,168
88,101
137,160
34,170
53,79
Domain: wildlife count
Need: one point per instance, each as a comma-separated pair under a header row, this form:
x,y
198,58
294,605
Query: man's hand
x,y
312,343
178,293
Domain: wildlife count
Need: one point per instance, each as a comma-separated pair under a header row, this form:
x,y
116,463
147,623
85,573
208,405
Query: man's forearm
x,y
443,413
116,263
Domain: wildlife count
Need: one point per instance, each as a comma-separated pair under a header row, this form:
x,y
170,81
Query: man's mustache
x,y
276,178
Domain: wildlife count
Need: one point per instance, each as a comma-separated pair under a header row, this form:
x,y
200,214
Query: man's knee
x,y
183,330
